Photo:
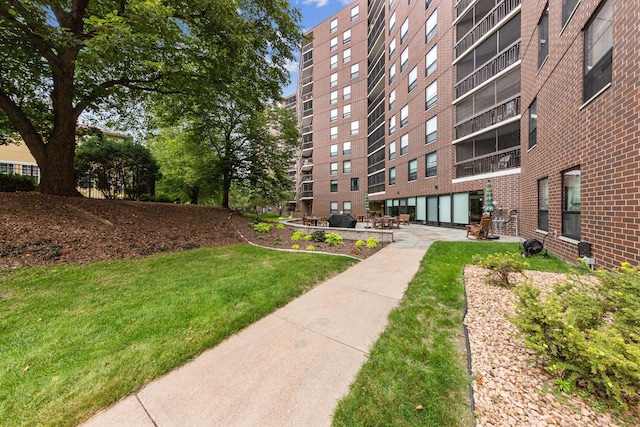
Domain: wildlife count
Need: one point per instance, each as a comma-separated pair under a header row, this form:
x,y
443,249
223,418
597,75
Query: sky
x,y
313,13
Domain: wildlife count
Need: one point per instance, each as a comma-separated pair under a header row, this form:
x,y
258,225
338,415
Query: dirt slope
x,y
38,229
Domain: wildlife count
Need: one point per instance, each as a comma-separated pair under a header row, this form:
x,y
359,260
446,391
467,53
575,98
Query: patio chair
x,y
480,231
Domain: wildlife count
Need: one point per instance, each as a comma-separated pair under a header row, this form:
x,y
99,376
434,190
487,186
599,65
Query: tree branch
x,y
22,123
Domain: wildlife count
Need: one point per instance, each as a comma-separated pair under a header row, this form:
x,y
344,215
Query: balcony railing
x,y
307,129
502,112
461,5
377,73
306,178
490,69
483,27
307,80
376,30
307,145
488,164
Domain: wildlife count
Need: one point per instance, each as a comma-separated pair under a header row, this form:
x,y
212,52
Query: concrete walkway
x,y
291,367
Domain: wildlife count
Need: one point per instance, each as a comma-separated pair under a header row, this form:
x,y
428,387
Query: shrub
x,y
280,227
163,198
262,227
298,235
10,183
318,236
310,248
295,246
355,251
502,265
308,237
586,331
372,243
360,243
333,239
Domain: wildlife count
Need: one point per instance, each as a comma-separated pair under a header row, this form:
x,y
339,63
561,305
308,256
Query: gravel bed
x,y
509,388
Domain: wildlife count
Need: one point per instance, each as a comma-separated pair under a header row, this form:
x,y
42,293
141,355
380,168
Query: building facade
x,y
448,99
581,127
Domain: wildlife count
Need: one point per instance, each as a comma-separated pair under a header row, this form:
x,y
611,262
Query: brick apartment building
x,y
417,105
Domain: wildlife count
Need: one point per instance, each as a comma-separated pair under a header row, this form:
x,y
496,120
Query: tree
x,y
186,165
118,169
251,143
60,58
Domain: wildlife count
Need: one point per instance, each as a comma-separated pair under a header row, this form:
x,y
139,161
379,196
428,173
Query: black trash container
x,y
342,221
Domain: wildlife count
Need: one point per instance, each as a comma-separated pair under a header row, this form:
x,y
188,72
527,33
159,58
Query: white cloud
x,y
317,3
293,66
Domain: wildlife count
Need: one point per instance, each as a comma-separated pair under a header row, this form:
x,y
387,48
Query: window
x,y
334,80
6,168
346,207
346,92
404,31
333,207
346,36
543,204
355,70
571,203
413,170
598,46
334,97
427,3
543,37
404,116
29,170
431,162
431,27
392,48
392,73
346,55
355,12
346,166
392,176
431,95
404,144
355,184
404,59
392,150
346,148
392,22
355,128
346,111
568,6
413,78
334,186
334,43
533,124
334,150
431,60
432,129
392,125
334,168
392,100
334,132
334,62
334,26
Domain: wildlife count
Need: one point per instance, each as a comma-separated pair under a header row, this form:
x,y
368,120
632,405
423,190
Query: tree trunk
x,y
56,172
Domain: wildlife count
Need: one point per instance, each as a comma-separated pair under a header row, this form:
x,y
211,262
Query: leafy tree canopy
x,y
61,58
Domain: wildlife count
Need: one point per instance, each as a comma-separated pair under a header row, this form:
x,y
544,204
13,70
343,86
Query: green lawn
x,y
419,361
74,339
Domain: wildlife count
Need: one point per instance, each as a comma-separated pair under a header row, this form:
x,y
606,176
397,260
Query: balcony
x,y
376,29
307,145
306,165
494,116
306,191
489,164
462,5
485,26
490,69
306,177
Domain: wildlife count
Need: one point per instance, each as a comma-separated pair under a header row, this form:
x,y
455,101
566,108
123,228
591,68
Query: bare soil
x,y
38,229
